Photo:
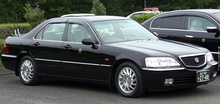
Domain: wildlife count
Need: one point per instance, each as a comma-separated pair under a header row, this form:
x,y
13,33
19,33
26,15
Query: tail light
x,y
5,51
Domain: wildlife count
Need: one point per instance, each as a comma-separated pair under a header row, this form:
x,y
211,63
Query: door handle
x,y
36,44
67,46
188,36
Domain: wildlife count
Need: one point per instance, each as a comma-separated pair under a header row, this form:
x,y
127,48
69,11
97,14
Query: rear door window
x,y
157,23
52,31
176,22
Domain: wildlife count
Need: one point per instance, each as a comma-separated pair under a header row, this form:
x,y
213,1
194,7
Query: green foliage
x,y
113,7
4,25
122,7
34,16
12,10
98,8
7,31
1,49
142,18
1,45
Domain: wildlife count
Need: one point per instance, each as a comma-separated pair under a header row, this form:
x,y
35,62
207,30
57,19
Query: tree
x,y
98,8
34,16
206,3
113,7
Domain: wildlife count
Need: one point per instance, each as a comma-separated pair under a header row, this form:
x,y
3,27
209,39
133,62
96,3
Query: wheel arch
x,y
19,57
114,68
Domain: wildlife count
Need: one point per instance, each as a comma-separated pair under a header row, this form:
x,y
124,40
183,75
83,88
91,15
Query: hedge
x,y
7,31
143,17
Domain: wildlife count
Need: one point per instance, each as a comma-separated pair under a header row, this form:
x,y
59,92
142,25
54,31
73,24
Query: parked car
x,y
110,50
138,13
142,13
154,10
196,26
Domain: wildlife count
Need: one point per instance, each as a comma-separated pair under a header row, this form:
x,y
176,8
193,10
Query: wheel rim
x,y
127,80
27,70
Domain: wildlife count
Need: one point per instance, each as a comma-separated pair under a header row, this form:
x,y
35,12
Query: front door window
x,y
198,23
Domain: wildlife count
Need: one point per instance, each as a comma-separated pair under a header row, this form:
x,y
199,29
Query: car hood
x,y
158,47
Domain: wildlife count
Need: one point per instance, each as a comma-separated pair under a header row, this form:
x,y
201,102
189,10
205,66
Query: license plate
x,y
202,76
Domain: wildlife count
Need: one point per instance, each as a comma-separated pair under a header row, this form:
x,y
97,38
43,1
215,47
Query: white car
x,y
142,12
138,13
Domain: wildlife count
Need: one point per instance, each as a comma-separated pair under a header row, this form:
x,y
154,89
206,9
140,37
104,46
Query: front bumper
x,y
182,77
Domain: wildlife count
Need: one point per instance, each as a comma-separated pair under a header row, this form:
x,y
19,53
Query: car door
x,y
169,27
81,61
46,48
197,31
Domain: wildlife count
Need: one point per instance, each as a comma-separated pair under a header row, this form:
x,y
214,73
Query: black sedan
x,y
195,26
109,50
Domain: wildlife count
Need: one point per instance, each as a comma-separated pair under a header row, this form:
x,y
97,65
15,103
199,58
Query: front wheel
x,y
28,71
128,80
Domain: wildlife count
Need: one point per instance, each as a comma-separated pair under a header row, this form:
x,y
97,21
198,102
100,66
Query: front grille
x,y
193,60
186,80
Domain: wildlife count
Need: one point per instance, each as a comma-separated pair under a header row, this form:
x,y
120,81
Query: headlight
x,y
160,62
209,56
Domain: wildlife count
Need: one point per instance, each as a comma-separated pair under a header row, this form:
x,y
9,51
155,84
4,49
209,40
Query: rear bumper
x,y
182,78
9,61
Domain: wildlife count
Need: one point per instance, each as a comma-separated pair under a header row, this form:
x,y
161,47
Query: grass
x,y
3,25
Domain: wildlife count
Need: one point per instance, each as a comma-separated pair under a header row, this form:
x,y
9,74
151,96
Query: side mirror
x,y
89,41
213,30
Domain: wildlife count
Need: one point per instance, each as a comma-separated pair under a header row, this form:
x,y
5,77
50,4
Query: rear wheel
x,y
128,80
28,71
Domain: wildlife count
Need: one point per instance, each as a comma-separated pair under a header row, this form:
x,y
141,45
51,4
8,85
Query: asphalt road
x,y
12,91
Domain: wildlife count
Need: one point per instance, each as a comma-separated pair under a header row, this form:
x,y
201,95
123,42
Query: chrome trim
x,y
178,29
39,59
180,57
11,56
73,42
50,40
105,65
70,62
188,36
163,69
192,55
82,63
77,43
216,53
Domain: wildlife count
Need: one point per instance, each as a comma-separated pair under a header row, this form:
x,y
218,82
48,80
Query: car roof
x,y
207,11
95,18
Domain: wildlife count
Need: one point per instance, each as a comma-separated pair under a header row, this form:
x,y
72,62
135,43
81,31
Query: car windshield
x,y
121,30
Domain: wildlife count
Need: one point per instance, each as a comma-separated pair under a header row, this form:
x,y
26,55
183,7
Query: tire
x,y
27,71
128,80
